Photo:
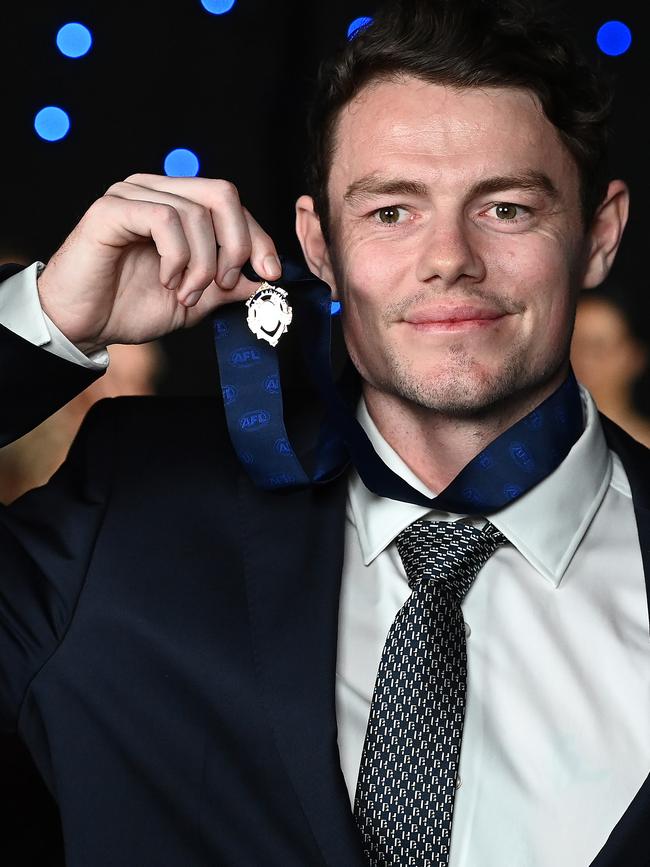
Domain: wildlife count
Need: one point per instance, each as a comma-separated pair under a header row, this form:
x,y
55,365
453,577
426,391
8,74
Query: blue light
x,y
74,40
614,38
181,163
357,24
217,7
335,308
52,123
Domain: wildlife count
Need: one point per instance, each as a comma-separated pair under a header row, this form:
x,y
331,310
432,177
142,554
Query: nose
x,y
449,254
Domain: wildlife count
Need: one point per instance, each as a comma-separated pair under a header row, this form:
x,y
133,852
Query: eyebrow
x,y
376,184
536,182
379,185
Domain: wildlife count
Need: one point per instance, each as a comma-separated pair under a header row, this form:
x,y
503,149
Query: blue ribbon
x,y
512,464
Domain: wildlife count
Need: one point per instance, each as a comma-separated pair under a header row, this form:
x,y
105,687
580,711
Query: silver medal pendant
x,y
269,314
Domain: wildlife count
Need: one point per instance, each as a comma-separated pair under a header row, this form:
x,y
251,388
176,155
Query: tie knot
x,y
446,553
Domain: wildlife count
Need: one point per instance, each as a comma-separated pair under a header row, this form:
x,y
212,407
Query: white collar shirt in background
x,y
556,740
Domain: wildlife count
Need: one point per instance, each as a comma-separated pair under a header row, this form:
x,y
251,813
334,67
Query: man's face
x,y
457,243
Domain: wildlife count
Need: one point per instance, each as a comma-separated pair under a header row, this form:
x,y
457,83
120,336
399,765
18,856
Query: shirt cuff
x,y
21,312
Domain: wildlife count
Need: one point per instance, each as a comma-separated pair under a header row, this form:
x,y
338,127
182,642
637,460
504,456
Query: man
x,y
192,660
609,355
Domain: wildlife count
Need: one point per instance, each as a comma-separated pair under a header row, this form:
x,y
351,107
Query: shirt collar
x,y
546,524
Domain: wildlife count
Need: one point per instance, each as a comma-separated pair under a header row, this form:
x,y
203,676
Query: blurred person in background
x,y
610,358
30,461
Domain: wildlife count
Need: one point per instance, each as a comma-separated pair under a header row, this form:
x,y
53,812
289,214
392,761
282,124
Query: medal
x,y
269,314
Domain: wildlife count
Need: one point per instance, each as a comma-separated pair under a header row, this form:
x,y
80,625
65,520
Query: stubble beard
x,y
464,389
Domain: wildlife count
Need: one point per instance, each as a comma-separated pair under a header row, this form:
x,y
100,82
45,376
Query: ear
x,y
314,248
605,233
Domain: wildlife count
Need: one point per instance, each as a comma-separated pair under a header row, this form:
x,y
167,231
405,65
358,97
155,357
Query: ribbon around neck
x,y
516,461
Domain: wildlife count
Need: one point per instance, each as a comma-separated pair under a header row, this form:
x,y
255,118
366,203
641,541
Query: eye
x,y
507,212
389,216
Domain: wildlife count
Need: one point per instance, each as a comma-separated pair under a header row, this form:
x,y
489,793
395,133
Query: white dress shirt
x,y
556,740
557,726
21,312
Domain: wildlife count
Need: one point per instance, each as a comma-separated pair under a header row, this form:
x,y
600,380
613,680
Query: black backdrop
x,y
233,88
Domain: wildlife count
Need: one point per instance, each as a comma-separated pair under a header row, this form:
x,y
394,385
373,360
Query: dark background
x,y
232,88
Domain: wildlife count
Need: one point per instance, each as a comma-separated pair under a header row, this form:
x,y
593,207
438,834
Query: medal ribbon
x,y
512,464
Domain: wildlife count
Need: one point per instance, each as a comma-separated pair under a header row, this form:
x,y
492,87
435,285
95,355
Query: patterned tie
x,y
407,778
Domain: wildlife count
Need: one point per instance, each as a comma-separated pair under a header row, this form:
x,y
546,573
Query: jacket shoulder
x,y
635,458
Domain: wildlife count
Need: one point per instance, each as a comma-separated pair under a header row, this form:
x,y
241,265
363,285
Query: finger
x,y
229,226
198,228
231,231
119,222
264,256
223,199
214,297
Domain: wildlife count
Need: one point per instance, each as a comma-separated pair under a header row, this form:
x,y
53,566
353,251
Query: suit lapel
x,y
628,844
293,560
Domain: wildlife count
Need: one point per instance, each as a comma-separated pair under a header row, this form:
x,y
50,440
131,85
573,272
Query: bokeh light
x,y
335,308
74,39
357,24
217,7
181,163
52,123
614,38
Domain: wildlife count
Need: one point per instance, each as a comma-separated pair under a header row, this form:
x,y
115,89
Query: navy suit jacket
x,y
168,641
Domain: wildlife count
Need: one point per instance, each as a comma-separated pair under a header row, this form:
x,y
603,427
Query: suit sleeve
x,y
46,542
33,383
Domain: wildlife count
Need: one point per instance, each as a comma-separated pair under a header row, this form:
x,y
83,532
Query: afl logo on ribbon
x,y
220,328
512,491
522,457
254,420
485,461
272,383
535,420
282,447
245,356
472,495
229,393
281,480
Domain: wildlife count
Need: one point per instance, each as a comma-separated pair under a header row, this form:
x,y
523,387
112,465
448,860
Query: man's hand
x,y
152,255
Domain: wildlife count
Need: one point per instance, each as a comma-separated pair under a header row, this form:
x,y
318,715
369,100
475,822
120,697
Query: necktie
x,y
407,778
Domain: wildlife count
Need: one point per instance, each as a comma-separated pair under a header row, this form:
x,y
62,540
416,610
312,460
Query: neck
x,y
437,446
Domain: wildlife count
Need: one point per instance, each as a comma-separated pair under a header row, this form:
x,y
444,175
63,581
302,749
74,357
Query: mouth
x,y
454,318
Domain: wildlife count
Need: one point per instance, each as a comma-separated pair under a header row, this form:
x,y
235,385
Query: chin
x,y
461,403
463,390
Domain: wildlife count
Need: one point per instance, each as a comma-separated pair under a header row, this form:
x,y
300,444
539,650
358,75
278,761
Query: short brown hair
x,y
468,43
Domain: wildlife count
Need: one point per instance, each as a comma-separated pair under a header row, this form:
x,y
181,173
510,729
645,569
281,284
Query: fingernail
x,y
174,282
191,299
272,266
230,278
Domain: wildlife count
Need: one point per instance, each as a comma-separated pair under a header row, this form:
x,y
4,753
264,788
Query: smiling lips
x,y
453,317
